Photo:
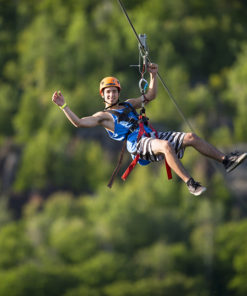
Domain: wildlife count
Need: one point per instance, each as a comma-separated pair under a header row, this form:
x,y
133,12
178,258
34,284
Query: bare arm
x,y
99,118
152,90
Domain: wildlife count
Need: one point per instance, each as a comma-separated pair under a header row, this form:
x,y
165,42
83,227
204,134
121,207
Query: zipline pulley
x,y
143,63
143,54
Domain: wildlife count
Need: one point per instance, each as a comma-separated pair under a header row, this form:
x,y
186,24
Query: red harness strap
x,y
134,162
168,169
130,167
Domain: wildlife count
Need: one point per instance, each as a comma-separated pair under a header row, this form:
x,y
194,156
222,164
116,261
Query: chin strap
x,y
111,105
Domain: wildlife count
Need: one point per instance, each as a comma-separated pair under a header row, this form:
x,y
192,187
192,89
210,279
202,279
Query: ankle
x,y
225,160
189,181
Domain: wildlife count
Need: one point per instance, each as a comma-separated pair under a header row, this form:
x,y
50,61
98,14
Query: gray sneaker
x,y
232,160
195,188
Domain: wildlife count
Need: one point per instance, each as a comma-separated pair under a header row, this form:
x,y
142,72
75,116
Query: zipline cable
x,y
159,76
143,49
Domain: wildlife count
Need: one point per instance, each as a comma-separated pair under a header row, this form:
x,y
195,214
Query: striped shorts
x,y
144,146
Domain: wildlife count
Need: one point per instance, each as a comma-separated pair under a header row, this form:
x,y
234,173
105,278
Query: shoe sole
x,y
237,163
199,192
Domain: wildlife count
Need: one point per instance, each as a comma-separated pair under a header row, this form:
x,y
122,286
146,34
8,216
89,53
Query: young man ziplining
x,y
121,122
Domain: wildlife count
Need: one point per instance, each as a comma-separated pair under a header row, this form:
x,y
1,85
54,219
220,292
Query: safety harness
x,y
142,118
135,124
123,116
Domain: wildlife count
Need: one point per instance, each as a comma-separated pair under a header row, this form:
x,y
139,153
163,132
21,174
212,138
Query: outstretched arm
x,y
99,118
152,89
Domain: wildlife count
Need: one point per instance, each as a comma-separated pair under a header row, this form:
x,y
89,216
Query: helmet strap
x,y
111,105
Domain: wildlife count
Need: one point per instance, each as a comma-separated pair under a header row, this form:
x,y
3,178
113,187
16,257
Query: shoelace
x,y
236,153
197,184
194,184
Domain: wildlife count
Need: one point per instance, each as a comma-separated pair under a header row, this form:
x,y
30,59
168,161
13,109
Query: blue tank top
x,y
122,128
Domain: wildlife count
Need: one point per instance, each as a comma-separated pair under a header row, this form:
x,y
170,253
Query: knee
x,y
190,139
167,147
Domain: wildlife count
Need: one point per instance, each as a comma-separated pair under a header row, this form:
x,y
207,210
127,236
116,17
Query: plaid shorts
x,y
144,146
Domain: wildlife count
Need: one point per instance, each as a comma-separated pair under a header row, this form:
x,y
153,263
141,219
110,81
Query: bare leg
x,y
164,147
203,147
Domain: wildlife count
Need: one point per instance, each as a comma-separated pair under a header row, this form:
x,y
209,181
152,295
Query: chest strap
x,y
123,116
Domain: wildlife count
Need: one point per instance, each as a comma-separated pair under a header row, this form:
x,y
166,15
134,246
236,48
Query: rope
x,y
115,172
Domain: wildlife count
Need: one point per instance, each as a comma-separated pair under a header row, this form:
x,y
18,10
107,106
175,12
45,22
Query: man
x,y
120,122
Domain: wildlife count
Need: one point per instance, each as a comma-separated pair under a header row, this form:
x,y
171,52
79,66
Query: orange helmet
x,y
107,82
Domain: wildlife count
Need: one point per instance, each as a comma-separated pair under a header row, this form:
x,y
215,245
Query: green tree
x,y
15,247
236,92
231,255
30,279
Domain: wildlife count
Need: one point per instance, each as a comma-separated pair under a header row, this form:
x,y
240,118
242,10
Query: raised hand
x,y
58,98
152,68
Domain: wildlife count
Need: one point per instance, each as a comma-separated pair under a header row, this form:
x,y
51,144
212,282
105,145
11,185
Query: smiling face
x,y
111,95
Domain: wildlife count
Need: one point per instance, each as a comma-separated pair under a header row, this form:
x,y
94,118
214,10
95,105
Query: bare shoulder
x,y
99,114
136,103
102,117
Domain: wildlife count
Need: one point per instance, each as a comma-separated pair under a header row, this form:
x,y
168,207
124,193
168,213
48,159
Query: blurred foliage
x,y
74,236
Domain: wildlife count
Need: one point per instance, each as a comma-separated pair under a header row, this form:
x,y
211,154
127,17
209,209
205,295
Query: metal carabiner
x,y
143,84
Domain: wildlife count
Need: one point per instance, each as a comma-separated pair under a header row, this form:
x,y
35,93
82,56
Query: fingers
x,y
152,68
56,94
58,98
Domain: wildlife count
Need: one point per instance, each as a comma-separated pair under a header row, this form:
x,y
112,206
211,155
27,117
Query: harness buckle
x,y
134,125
